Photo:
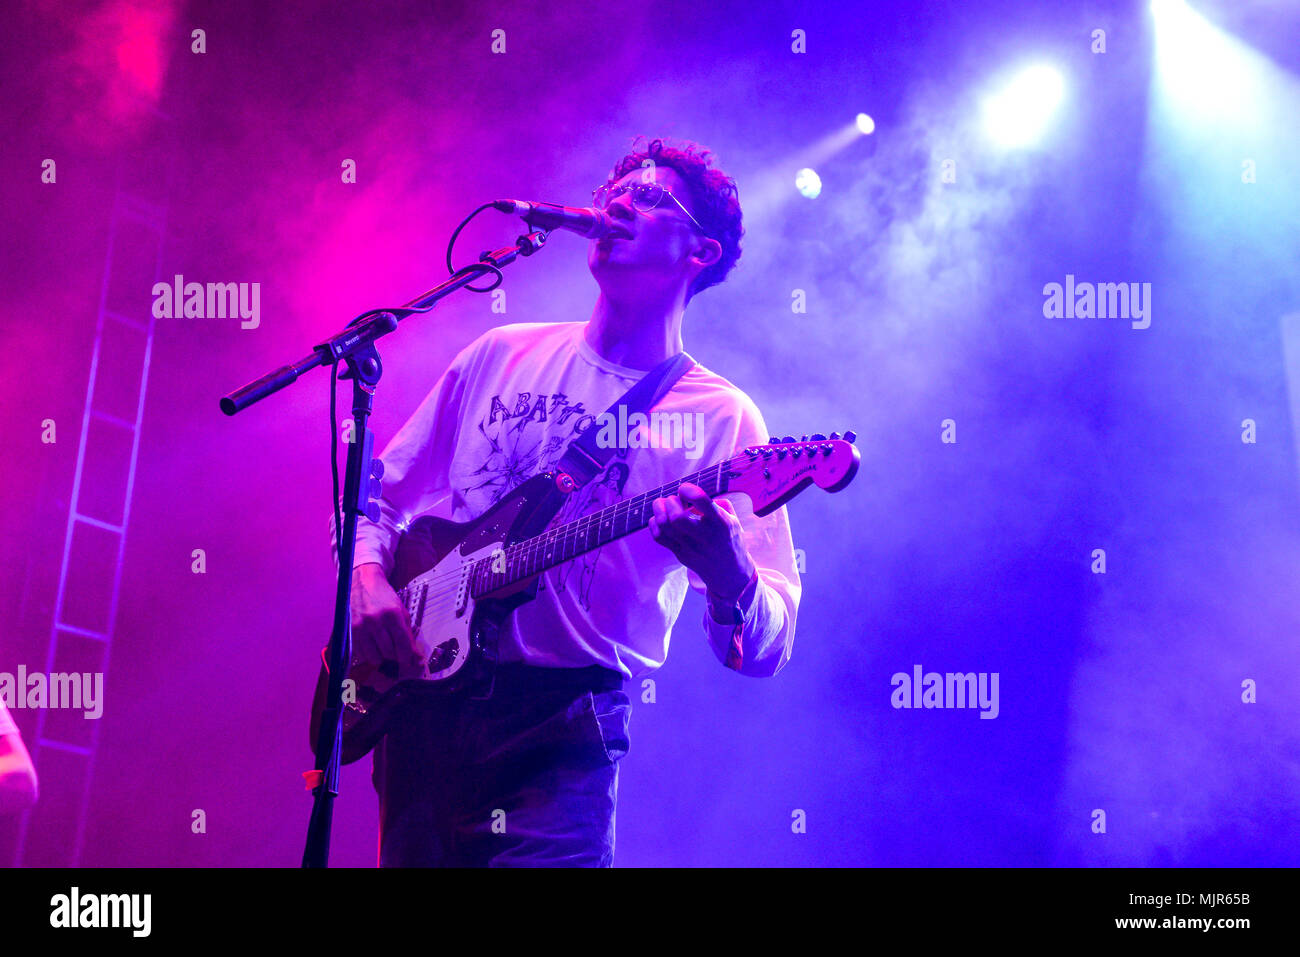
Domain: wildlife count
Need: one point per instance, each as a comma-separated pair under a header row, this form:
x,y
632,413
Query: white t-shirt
x,y
506,409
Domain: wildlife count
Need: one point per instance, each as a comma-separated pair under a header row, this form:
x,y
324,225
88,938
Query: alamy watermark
x,y
214,300
658,430
81,691
127,911
947,690
1105,300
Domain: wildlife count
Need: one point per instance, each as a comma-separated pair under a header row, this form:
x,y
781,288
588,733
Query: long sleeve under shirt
x,y
505,410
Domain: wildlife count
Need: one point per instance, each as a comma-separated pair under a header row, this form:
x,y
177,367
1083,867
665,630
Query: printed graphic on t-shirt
x,y
517,452
604,490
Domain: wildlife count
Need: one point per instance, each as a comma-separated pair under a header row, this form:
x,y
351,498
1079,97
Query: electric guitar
x,y
459,581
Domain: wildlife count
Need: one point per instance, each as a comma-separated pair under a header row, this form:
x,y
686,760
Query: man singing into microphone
x,y
529,776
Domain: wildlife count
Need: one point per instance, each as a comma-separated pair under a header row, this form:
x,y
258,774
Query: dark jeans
x,y
526,778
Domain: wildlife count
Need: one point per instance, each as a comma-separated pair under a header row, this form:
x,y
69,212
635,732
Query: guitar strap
x,y
584,459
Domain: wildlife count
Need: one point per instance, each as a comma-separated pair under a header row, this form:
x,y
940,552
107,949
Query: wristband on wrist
x,y
734,613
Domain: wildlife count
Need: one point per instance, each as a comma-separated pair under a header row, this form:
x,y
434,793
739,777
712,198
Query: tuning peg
x,y
773,440
372,511
835,436
375,488
850,437
788,440
804,439
377,468
818,437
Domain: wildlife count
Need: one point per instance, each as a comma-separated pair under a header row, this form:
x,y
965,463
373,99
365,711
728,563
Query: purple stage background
x,y
922,264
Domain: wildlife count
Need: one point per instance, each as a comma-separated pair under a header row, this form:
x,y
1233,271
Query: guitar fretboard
x,y
556,546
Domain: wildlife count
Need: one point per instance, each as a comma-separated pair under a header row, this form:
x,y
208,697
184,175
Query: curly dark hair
x,y
714,198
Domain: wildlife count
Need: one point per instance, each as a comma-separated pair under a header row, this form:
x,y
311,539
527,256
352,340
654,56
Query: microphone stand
x,y
355,346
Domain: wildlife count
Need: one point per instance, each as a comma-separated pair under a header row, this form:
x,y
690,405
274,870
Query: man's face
x,y
664,247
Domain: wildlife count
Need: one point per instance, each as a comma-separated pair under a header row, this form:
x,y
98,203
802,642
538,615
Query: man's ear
x,y
708,252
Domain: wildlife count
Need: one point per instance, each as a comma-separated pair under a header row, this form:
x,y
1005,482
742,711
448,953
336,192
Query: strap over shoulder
x,y
583,459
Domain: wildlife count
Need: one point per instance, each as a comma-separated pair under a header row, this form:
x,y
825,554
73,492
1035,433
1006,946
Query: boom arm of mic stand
x,y
372,325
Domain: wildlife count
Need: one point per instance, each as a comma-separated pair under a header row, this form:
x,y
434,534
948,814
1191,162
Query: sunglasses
x,y
645,197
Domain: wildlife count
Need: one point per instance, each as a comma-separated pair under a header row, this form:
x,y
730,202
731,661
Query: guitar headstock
x,y
773,474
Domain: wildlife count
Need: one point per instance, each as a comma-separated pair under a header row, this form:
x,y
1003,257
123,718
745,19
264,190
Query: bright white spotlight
x,y
1199,67
1018,114
808,183
1165,8
866,125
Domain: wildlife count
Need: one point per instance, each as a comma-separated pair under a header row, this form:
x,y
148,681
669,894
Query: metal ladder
x,y
65,798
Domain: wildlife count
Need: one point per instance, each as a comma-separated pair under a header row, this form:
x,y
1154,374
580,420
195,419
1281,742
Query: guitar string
x,y
520,554
536,547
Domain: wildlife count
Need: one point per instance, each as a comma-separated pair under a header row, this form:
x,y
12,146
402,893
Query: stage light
x,y
1018,114
1167,8
808,183
866,125
1200,68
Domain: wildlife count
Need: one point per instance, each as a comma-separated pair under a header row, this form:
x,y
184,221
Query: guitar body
x,y
454,632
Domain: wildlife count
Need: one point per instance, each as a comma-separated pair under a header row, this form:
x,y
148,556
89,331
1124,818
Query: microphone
x,y
589,222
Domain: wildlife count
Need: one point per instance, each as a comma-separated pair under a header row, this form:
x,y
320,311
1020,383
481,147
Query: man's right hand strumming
x,y
380,629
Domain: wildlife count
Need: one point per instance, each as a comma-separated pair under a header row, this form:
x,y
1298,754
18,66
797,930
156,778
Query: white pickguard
x,y
441,608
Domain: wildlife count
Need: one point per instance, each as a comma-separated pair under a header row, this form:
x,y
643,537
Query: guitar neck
x,y
556,546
